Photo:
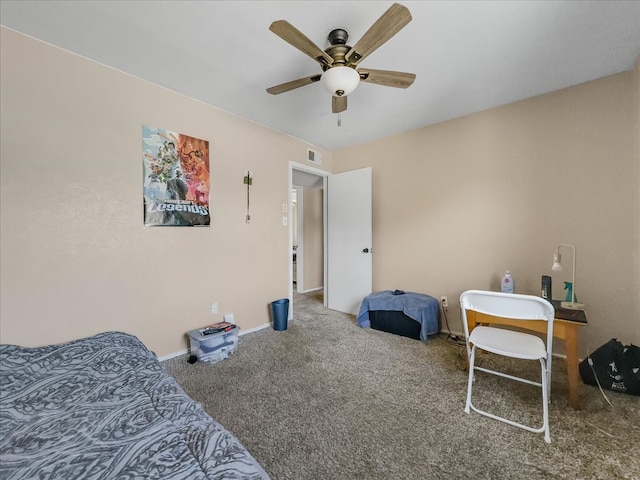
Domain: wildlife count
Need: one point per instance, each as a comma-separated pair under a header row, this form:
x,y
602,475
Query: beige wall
x,y
458,203
75,256
313,239
455,204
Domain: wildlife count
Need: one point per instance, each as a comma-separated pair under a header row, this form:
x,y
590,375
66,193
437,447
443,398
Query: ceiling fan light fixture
x,y
340,81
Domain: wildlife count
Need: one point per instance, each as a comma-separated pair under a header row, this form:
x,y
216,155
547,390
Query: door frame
x,y
324,174
299,287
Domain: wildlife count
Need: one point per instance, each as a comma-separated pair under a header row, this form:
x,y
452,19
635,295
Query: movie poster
x,y
176,179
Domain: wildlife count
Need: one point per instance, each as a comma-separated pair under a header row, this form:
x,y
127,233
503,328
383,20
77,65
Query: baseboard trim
x,y
186,351
457,334
312,290
173,355
254,329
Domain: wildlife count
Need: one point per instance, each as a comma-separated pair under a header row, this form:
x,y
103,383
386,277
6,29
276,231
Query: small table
x,y
563,328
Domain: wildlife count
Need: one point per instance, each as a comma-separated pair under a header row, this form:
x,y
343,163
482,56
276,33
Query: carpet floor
x,y
326,399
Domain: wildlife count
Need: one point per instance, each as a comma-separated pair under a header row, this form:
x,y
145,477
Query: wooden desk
x,y
566,330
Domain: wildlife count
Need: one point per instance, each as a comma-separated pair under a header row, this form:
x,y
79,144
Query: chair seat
x,y
508,342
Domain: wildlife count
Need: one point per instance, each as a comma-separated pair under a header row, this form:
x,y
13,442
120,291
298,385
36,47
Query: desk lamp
x,y
557,258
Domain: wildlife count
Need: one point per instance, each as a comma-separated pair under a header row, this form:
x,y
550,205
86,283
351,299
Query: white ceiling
x,y
468,55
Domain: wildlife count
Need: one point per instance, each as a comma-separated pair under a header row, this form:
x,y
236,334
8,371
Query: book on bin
x,y
217,328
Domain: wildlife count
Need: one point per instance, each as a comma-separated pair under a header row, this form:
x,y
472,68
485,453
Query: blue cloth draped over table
x,y
424,309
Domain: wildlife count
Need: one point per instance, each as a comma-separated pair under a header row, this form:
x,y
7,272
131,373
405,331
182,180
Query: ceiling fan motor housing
x,y
338,36
341,78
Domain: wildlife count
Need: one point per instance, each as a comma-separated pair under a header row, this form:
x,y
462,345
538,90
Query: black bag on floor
x,y
617,367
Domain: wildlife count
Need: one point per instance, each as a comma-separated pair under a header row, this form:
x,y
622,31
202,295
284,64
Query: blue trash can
x,y
280,313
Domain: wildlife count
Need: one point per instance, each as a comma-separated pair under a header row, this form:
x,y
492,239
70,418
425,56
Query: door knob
x,y
365,250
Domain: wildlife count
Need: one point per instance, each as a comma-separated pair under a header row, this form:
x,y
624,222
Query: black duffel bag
x,y
617,367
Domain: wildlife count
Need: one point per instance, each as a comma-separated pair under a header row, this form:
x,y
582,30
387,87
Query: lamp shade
x,y
340,81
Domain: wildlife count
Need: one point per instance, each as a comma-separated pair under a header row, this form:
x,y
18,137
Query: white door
x,y
349,255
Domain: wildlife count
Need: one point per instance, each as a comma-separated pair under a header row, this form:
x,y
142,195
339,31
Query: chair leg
x,y
545,401
472,359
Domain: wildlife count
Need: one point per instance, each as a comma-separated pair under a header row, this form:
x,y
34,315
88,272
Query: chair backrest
x,y
508,305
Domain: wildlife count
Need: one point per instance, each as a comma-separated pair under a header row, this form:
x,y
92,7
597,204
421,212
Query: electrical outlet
x,y
444,302
214,308
229,317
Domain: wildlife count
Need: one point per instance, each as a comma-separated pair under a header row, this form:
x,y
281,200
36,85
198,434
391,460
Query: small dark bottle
x,y
546,287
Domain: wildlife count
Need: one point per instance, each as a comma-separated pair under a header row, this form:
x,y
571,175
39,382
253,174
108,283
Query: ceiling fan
x,y
339,62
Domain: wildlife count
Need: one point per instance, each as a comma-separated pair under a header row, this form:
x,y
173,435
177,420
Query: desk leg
x,y
573,375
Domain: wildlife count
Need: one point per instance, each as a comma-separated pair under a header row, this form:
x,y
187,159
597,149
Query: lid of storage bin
x,y
197,333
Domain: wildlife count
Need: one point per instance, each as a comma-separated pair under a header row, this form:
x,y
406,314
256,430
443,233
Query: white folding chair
x,y
509,343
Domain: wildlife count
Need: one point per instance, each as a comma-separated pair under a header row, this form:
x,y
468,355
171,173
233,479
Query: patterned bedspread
x,y
104,408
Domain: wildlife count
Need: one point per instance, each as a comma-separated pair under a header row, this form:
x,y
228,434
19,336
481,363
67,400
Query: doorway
x,y
347,275
307,232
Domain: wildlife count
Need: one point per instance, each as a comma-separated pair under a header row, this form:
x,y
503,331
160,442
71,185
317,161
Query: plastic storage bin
x,y
214,347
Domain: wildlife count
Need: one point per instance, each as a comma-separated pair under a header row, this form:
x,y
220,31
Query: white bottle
x,y
506,284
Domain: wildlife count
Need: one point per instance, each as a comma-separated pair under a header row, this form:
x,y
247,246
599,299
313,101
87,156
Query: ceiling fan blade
x,y
338,104
390,23
387,78
301,82
296,38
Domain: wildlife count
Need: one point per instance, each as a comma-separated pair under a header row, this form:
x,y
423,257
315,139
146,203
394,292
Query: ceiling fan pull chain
x,y
339,119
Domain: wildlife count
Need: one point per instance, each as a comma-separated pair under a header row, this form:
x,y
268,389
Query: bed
x,y
104,408
409,314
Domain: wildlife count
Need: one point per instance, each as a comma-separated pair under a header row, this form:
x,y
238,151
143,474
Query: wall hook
x,y
248,181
